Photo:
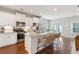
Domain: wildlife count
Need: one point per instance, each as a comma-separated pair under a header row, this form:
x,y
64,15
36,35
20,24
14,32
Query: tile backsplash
x,y
6,29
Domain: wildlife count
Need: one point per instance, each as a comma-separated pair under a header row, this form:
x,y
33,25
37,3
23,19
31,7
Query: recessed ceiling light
x,y
41,14
55,9
31,10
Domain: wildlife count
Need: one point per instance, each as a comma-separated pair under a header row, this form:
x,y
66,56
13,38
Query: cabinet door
x,y
12,38
4,40
20,17
8,39
29,21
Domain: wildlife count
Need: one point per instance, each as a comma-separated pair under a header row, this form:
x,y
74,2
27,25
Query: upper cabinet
x,y
23,18
10,19
7,18
20,17
29,21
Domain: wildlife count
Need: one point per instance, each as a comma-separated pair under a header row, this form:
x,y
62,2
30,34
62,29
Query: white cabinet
x,y
7,19
7,39
29,21
31,43
23,18
20,17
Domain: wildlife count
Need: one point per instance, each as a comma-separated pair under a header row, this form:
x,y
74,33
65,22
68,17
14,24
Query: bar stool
x,y
57,41
53,38
41,42
46,41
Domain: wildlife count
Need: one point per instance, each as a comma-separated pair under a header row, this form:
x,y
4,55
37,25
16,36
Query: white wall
x,y
7,19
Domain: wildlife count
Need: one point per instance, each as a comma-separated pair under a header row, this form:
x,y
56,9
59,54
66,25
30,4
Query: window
x,y
58,28
76,27
55,28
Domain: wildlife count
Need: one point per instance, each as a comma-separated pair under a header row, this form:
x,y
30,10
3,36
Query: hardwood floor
x,y
14,49
63,48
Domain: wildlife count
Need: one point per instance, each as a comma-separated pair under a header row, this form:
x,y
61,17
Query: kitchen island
x,y
31,42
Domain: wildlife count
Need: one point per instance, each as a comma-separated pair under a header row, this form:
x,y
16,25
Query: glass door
x,y
57,28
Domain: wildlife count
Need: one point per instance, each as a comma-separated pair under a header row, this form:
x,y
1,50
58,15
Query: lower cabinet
x,y
7,39
31,44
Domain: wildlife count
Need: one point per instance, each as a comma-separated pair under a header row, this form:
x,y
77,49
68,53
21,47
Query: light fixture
x,y
31,10
54,9
41,14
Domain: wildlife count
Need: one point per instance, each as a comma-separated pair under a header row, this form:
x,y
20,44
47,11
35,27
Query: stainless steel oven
x,y
20,31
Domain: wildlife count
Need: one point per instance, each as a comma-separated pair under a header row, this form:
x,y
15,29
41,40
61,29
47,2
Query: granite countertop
x,y
35,34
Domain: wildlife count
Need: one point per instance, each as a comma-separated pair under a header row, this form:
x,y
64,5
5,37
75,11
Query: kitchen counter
x,y
8,38
7,32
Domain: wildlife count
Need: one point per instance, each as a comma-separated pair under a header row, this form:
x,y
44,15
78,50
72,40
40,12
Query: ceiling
x,y
47,11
